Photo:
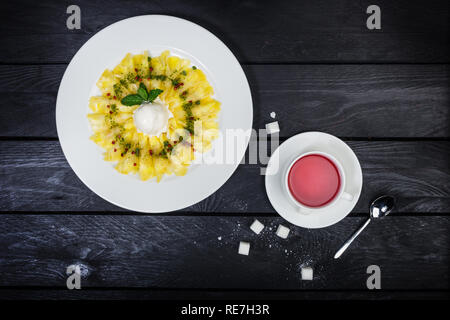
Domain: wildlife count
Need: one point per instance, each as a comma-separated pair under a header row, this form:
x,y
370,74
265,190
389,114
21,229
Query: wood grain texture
x,y
185,252
34,176
344,100
256,31
318,67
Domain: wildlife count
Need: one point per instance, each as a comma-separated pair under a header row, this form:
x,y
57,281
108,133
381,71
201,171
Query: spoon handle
x,y
349,241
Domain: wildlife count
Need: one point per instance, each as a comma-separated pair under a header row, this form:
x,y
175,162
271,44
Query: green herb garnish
x,y
130,78
117,90
183,95
142,96
132,100
142,91
153,94
189,117
161,77
123,83
167,149
175,82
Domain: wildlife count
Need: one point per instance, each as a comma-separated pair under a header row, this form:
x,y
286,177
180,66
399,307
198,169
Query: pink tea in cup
x,y
314,180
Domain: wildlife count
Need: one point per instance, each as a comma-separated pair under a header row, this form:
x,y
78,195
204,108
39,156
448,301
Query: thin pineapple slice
x,y
175,66
128,164
207,109
100,104
106,82
177,169
161,166
98,121
155,145
146,167
124,67
112,154
103,139
182,154
197,85
140,63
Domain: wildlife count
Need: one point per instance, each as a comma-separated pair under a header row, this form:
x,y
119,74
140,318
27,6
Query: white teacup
x,y
341,194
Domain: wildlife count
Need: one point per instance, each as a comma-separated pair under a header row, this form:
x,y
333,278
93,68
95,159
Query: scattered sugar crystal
x,y
282,231
256,226
244,248
307,273
273,115
219,238
272,127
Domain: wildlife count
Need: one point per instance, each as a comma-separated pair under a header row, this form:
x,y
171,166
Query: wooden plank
x,y
257,31
137,251
344,100
354,100
34,176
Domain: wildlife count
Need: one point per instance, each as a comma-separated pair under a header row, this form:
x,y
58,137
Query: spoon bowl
x,y
381,207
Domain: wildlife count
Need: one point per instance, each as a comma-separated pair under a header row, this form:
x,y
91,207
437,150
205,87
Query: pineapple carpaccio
x,y
186,93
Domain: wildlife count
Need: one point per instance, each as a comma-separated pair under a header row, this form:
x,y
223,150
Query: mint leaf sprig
x,y
142,91
142,96
153,94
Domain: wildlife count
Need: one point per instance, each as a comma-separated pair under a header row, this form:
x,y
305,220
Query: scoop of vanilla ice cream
x,y
152,118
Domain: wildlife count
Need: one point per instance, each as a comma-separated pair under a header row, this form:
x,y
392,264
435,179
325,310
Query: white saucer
x,y
306,142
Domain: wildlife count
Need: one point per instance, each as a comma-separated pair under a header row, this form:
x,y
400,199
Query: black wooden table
x,y
385,92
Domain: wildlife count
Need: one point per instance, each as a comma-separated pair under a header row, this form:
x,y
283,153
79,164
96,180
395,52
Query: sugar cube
x,y
244,248
307,273
256,226
282,231
272,127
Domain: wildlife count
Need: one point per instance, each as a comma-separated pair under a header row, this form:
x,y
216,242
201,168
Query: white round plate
x,y
106,49
286,153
